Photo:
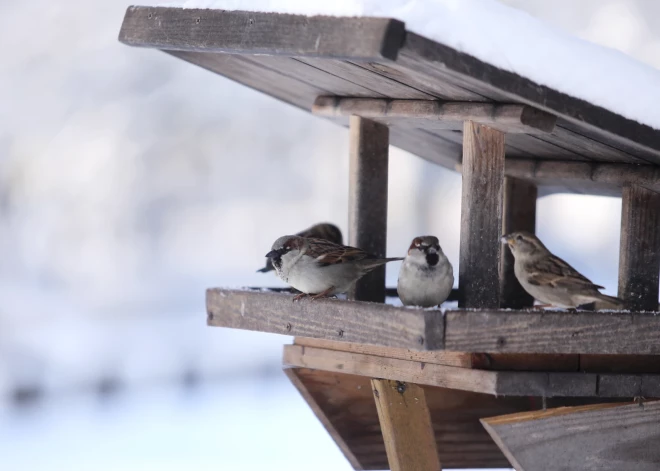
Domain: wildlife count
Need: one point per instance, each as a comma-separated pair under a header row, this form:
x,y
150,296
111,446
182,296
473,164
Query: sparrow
x,y
548,278
426,276
325,231
319,267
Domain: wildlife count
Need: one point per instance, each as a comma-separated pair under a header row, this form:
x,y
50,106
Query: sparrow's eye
x,y
287,248
519,237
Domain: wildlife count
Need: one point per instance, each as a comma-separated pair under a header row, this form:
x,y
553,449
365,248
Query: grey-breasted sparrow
x,y
324,231
426,276
319,267
548,278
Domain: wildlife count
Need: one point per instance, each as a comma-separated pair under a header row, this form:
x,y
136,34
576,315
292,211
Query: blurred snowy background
x,y
130,181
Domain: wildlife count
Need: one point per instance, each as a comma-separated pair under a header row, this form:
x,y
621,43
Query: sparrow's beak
x,y
272,254
506,239
431,249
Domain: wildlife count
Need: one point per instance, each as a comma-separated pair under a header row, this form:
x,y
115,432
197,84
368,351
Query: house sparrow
x,y
320,267
324,231
548,278
426,276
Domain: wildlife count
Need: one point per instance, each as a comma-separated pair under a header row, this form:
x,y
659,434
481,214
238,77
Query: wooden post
x,y
639,253
367,214
519,215
406,425
481,216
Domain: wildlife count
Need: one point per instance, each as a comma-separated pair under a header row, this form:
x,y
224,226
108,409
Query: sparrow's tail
x,y
610,302
370,264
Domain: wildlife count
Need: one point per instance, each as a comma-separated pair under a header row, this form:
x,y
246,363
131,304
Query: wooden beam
x,y
481,216
367,212
639,255
406,426
519,215
332,319
511,118
243,32
613,175
602,437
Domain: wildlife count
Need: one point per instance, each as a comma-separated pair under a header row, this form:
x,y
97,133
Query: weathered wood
x,y
347,401
636,364
639,255
510,118
294,377
406,426
519,215
332,319
552,332
481,216
367,197
389,292
604,437
242,32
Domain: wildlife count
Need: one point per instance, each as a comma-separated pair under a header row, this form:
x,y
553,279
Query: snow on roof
x,y
504,37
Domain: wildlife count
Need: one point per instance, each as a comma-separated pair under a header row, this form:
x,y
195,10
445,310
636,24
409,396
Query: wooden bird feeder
x,y
477,386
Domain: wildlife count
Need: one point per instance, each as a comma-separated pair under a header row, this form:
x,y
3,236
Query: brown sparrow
x,y
324,231
320,267
426,276
548,278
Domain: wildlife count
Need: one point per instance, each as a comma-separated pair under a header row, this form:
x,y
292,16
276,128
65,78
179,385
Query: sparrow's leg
x,y
298,297
324,294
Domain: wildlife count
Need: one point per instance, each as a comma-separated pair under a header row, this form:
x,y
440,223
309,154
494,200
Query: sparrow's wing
x,y
553,271
324,231
326,253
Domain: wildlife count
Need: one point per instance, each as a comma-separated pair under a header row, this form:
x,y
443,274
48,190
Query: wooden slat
x,y
406,426
448,115
481,216
367,198
604,437
294,377
243,32
552,332
519,215
639,255
332,319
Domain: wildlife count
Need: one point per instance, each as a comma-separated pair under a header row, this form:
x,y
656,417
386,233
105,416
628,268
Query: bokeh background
x,y
131,181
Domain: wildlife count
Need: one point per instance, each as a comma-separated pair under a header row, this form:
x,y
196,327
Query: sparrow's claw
x,y
298,297
324,294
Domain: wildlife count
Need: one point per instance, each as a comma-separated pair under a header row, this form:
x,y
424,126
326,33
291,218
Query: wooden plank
x,y
519,215
636,364
611,385
333,319
552,332
524,362
242,32
440,62
406,426
294,377
639,253
504,117
462,442
367,197
438,357
605,437
481,216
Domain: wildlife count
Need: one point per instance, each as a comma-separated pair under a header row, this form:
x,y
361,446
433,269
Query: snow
x,y
504,37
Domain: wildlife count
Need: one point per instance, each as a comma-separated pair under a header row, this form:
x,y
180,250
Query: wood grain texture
x,y
405,422
504,117
347,401
639,253
609,437
367,199
347,321
294,377
552,332
481,216
519,215
242,32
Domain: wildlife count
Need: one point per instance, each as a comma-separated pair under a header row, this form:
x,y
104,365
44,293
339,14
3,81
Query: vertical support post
x,y
367,212
481,216
519,215
405,422
639,253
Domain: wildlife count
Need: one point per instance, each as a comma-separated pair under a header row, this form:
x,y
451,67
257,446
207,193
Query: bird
x,y
426,276
548,278
318,267
322,230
